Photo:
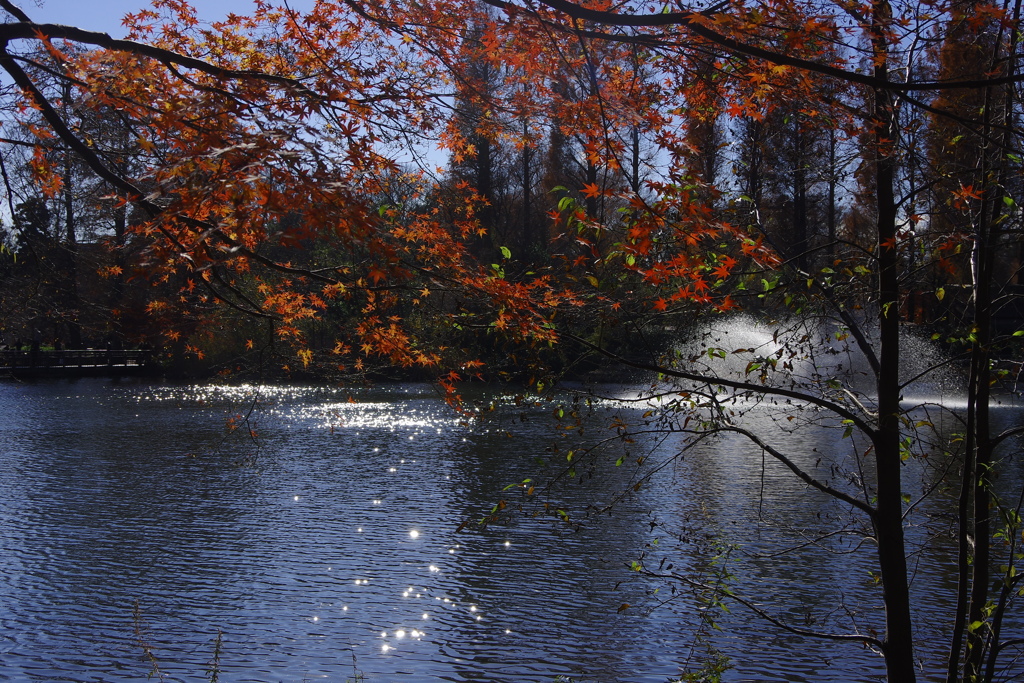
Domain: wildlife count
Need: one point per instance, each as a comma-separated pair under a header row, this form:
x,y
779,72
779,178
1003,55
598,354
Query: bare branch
x,y
832,406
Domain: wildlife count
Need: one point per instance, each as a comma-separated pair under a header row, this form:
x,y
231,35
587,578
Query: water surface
x,y
317,531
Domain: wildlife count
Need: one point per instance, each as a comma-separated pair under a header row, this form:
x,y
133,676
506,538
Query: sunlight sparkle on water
x,y
414,534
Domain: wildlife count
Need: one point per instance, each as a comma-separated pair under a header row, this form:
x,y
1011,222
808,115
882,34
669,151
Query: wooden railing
x,y
74,358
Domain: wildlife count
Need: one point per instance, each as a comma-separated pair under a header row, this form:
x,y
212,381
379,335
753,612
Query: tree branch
x,y
693,22
799,472
836,408
27,30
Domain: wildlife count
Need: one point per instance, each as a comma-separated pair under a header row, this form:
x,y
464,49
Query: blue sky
x,y
106,15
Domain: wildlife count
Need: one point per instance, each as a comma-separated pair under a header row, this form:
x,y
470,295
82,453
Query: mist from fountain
x,y
810,352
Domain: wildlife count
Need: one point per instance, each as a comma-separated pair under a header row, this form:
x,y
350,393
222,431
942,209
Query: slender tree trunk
x,y
800,196
634,165
70,267
899,647
120,214
833,175
527,161
986,237
888,521
975,559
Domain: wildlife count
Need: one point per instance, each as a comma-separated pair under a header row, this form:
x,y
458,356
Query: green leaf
x,y
940,293
506,252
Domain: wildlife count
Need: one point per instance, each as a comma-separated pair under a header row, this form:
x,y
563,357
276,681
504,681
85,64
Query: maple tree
x,y
272,173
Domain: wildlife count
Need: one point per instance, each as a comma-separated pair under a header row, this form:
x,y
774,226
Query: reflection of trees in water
x,y
777,427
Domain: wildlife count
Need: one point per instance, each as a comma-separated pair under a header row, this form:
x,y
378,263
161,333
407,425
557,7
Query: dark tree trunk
x,y
898,643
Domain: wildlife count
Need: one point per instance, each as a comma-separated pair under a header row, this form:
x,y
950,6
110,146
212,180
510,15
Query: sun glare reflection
x,y
397,424
331,409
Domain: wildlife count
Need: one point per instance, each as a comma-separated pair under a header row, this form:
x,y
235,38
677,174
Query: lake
x,y
138,521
